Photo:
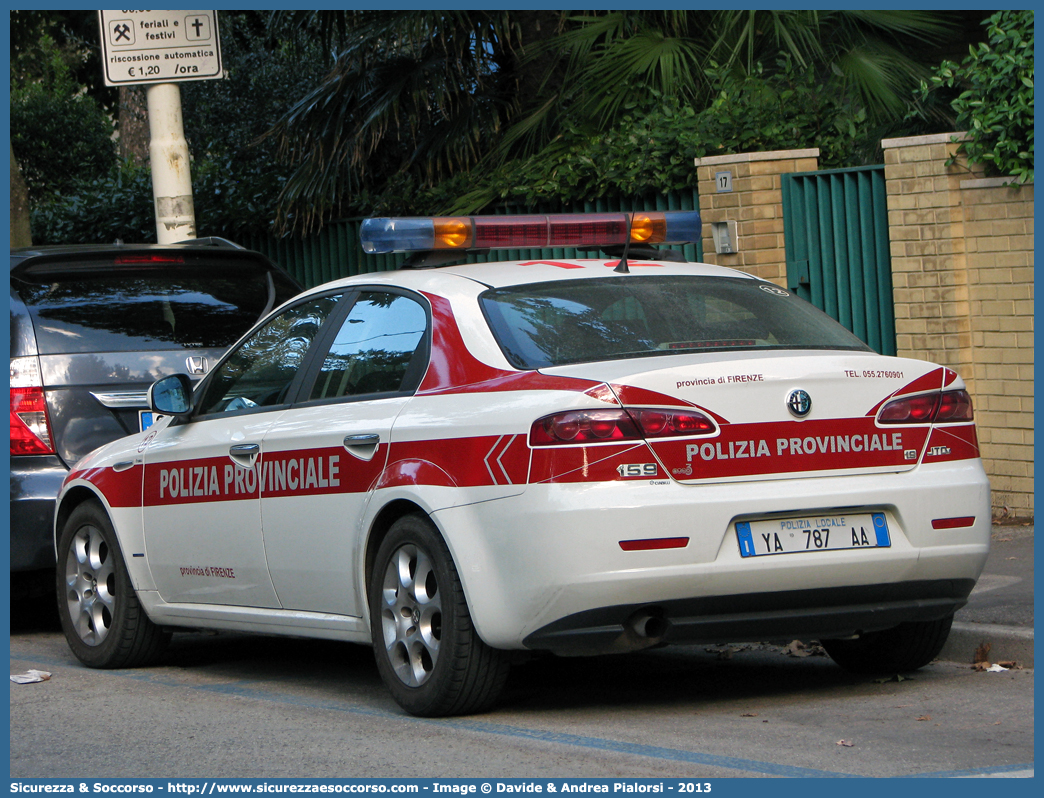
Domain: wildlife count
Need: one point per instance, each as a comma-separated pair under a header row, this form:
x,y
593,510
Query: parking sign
x,y
159,46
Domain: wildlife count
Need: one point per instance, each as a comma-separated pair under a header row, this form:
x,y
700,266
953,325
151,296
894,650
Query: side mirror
x,y
171,396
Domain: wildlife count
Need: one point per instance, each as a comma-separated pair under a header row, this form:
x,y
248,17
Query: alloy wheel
x,y
90,580
411,615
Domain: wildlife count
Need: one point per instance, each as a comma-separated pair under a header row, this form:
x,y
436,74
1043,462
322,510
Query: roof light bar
x,y
581,230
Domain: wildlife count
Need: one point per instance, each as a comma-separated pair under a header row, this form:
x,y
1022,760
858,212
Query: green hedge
x,y
649,152
996,104
60,134
653,148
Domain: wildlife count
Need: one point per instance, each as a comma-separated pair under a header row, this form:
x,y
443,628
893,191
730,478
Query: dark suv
x,y
91,328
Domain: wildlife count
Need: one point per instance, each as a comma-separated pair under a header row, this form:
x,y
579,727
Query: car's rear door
x,y
323,456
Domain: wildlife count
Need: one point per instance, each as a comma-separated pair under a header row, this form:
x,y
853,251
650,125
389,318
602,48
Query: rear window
x,y
581,321
84,308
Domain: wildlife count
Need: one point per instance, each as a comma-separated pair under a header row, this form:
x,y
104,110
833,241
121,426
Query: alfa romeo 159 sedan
x,y
579,456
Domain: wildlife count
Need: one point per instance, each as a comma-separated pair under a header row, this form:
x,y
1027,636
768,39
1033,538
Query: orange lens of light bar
x,y
648,228
453,232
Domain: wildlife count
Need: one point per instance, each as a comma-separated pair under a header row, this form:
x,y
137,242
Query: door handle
x,y
362,446
244,454
362,440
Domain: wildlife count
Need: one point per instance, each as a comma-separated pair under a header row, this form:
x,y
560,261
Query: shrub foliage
x,y
995,105
59,134
238,174
653,146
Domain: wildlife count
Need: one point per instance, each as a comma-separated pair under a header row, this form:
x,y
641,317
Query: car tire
x,y
100,613
906,647
427,649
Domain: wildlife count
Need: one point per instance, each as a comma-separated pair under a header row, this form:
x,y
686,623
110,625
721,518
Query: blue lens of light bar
x,y
383,235
683,227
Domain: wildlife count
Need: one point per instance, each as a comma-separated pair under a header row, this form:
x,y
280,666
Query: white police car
x,y
578,456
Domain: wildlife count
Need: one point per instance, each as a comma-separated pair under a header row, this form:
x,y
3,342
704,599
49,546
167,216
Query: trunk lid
x,y
755,400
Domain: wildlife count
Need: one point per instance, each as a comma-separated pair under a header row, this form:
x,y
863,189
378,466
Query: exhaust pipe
x,y
643,629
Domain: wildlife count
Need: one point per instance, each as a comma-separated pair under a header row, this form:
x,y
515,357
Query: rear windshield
x,y
199,305
581,321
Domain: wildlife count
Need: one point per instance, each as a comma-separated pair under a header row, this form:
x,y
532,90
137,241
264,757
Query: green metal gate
x,y
835,226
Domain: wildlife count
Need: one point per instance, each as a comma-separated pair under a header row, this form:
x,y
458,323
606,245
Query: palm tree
x,y
432,93
611,57
408,91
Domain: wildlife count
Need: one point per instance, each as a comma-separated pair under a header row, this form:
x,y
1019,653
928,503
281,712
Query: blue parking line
x,y
244,689
997,770
650,751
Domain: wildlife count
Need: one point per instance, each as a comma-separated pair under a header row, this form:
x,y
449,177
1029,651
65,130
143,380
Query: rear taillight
x,y
583,426
147,260
671,423
602,426
30,426
954,406
928,408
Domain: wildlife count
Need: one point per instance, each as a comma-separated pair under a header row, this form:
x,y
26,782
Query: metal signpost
x,y
161,49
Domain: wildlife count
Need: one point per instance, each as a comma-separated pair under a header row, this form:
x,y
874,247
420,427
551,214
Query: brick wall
x,y
962,276
755,204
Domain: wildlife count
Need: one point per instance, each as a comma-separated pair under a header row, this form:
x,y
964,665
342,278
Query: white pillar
x,y
169,156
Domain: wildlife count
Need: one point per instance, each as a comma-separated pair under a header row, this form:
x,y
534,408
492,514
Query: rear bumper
x,y
548,565
35,482
785,615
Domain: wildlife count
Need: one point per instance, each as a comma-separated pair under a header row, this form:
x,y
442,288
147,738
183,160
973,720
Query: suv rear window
x,y
86,308
580,321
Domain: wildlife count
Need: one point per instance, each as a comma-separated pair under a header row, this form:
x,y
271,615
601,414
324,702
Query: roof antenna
x,y
621,267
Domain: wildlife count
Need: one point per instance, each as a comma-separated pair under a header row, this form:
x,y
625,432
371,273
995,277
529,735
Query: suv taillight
x,y
929,408
146,260
30,426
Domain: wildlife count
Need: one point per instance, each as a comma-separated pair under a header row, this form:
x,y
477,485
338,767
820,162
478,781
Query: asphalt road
x,y
237,706
999,612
